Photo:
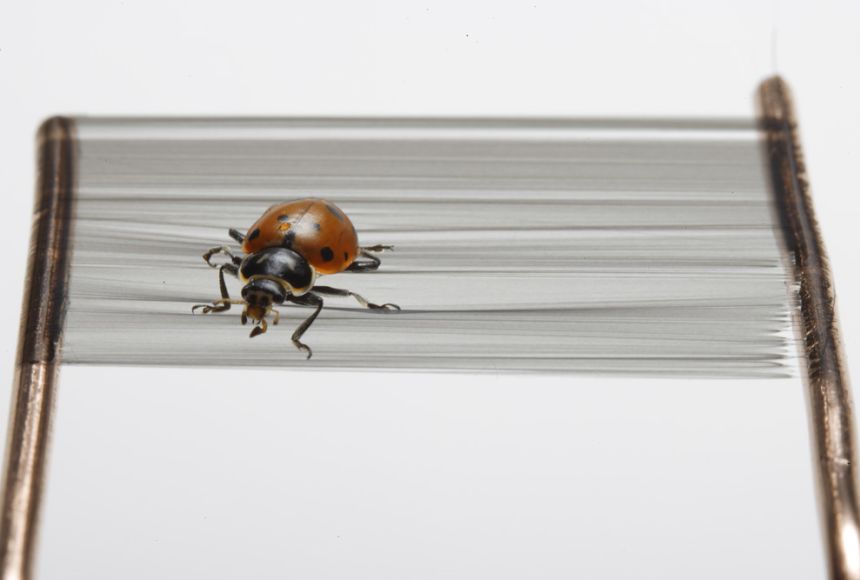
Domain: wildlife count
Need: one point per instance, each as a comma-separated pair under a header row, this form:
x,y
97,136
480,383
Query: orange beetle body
x,y
315,228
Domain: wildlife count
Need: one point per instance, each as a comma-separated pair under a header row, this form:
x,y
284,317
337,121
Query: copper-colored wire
x,y
829,392
34,388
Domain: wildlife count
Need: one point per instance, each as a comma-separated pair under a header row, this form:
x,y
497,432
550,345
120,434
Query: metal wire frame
x,y
829,393
42,315
35,381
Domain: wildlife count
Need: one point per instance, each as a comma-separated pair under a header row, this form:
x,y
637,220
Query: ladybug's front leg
x,y
308,299
224,303
207,257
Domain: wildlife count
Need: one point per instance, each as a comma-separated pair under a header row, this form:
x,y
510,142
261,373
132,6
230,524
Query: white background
x,y
440,58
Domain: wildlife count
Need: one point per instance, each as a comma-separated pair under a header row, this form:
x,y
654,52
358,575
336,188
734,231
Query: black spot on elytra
x,y
283,218
345,256
334,211
327,254
254,235
317,227
289,238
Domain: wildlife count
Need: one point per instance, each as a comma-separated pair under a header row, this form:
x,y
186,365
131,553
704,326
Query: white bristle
x,y
638,247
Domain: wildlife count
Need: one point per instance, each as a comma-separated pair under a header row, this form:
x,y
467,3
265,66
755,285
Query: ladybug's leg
x,y
361,299
372,262
220,250
376,248
225,302
236,235
219,305
308,299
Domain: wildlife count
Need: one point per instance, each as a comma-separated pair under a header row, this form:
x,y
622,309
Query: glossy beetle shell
x,y
315,228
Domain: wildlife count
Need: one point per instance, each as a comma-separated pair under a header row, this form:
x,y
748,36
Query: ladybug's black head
x,y
271,274
259,296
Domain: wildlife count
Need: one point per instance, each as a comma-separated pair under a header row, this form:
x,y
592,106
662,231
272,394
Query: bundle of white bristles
x,y
644,247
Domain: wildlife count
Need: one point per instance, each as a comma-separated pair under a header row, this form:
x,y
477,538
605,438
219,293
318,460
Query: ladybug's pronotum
x,y
285,251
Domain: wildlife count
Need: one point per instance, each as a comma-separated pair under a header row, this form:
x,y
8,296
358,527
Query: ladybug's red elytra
x,y
315,228
285,251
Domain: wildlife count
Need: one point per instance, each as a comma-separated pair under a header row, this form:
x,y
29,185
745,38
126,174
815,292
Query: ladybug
x,y
285,251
